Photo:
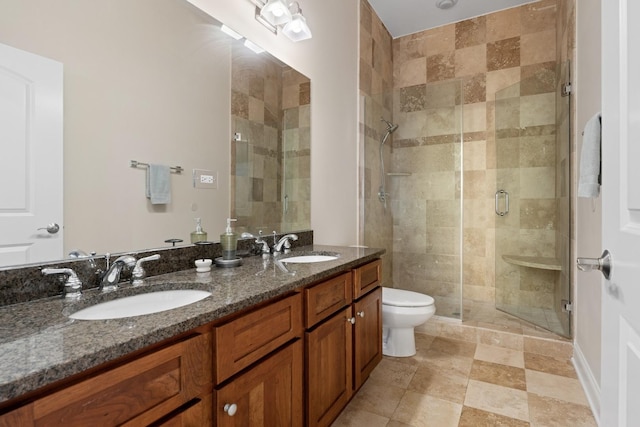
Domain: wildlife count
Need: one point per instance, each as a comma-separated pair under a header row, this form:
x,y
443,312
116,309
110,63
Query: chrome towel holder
x,y
136,164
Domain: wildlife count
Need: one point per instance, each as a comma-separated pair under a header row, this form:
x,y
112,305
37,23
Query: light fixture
x,y
280,14
297,29
445,4
276,12
254,47
228,31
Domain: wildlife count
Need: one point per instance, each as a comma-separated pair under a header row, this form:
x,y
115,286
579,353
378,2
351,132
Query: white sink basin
x,y
137,305
309,258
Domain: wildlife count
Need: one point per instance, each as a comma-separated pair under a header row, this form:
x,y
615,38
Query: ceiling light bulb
x,y
276,12
297,29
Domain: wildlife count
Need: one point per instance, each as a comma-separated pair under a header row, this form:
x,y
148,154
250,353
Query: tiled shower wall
x,y
376,84
486,54
270,110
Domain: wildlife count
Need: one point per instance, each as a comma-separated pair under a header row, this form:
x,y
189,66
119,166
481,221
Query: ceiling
x,y
402,17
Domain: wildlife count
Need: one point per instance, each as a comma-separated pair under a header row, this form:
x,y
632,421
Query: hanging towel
x,y
158,184
589,182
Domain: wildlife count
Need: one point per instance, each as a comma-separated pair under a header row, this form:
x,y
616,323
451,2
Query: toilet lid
x,y
402,298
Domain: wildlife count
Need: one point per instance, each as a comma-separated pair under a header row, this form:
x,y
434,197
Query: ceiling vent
x,y
446,4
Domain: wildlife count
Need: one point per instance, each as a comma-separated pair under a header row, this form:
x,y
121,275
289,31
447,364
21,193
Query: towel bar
x,y
135,164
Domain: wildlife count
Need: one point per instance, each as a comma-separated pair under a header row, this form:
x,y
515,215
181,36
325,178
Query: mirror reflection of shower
x,y
382,192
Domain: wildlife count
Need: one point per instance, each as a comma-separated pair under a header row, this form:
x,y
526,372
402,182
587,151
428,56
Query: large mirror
x,y
156,81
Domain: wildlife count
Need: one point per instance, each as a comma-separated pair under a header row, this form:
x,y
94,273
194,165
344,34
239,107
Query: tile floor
x,y
473,382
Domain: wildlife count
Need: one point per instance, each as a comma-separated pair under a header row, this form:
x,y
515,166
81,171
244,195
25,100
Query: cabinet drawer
x,y
246,339
326,298
136,393
366,278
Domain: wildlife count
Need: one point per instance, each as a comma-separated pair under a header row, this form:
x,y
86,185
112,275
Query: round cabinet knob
x,y
351,320
360,313
231,409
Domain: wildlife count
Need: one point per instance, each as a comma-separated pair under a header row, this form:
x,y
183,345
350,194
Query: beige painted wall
x,y
588,286
330,60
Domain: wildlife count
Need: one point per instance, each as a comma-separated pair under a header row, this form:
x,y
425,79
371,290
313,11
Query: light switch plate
x,y
205,179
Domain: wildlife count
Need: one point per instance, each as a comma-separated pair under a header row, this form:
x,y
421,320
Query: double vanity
x,y
270,343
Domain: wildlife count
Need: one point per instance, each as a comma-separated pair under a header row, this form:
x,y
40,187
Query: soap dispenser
x,y
229,243
199,235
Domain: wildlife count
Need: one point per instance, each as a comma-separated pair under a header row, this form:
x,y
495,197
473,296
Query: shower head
x,y
390,126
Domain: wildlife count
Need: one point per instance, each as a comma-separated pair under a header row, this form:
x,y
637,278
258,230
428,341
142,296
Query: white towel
x,y
158,184
589,182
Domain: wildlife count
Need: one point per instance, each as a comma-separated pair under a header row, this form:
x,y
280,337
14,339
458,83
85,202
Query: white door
x,y
30,157
620,391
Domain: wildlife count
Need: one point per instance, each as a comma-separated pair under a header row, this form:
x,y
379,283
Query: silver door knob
x,y
52,228
231,409
603,264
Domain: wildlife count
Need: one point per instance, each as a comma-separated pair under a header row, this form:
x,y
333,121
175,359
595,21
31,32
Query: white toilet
x,y
402,311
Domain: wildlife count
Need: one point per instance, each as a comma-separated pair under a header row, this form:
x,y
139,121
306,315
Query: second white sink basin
x,y
137,305
309,258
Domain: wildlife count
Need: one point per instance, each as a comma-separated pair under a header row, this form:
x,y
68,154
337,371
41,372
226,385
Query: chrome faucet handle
x,y
138,274
284,242
72,286
111,278
259,240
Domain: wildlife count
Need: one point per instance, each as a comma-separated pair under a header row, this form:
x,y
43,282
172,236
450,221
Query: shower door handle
x,y
603,264
499,195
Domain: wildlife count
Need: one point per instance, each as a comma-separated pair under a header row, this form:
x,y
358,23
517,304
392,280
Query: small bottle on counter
x,y
199,235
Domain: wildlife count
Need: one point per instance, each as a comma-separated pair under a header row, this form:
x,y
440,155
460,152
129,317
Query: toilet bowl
x,y
402,311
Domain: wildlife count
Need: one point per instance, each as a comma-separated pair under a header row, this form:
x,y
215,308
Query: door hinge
x,y
567,306
566,89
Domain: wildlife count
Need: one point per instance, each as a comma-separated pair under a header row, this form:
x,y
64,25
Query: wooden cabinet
x,y
344,342
268,394
367,336
251,369
250,337
196,413
139,392
329,368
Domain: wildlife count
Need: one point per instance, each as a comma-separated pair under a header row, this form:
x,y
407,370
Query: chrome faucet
x,y
112,276
73,285
284,242
138,274
259,241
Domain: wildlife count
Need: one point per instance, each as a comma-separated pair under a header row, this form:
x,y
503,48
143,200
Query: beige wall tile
x,y
536,110
537,183
474,117
440,40
538,47
503,25
471,60
410,73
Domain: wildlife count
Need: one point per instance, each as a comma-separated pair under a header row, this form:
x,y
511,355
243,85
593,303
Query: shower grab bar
x,y
506,202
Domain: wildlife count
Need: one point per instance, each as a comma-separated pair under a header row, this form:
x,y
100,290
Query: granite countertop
x,y
40,344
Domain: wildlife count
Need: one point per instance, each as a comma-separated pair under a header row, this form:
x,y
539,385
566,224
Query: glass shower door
x,y
532,201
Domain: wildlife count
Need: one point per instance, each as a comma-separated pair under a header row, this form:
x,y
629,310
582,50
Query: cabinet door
x,y
268,394
366,278
329,368
367,339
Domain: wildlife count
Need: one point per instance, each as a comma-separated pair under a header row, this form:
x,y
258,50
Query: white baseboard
x,y
588,381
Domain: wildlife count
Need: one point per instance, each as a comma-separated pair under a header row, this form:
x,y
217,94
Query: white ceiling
x,y
402,17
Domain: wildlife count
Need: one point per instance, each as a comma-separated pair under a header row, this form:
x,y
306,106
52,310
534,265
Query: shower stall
x,y
473,219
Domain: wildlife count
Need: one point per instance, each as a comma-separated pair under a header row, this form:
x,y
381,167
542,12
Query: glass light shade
x,y
276,12
297,29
